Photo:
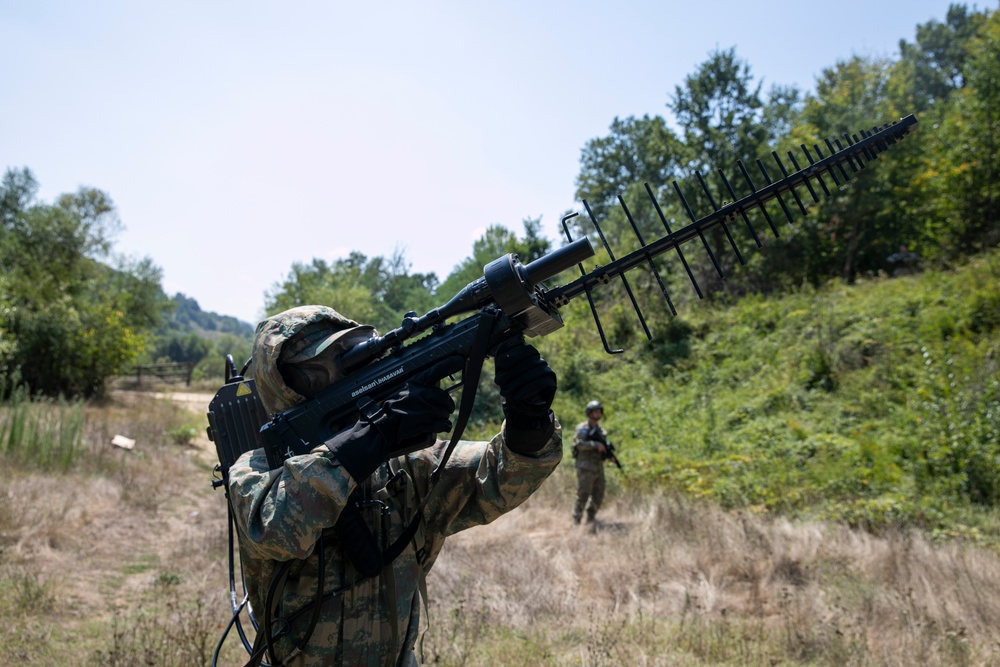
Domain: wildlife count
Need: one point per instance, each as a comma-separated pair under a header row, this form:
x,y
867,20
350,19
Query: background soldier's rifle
x,y
609,455
597,434
508,302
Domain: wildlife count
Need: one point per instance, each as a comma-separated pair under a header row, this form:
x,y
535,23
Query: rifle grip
x,y
508,344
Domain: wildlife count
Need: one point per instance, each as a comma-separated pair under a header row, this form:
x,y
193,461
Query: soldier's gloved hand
x,y
408,419
528,386
421,409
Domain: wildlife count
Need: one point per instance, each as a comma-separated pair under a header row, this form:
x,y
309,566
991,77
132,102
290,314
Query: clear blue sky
x,y
236,138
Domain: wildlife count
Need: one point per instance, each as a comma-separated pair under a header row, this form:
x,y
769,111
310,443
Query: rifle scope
x,y
505,281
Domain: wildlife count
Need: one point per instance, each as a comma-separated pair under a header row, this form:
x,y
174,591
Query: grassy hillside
x,y
876,403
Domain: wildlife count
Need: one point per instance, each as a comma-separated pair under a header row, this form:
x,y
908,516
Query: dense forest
x,y
73,313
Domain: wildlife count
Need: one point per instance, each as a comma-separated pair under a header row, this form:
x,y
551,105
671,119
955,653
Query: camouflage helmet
x,y
299,347
594,405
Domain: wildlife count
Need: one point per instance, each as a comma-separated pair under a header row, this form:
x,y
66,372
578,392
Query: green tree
x,y
862,224
212,364
936,61
495,242
934,77
725,118
336,285
178,347
396,290
723,115
71,320
967,196
6,339
636,151
375,291
617,168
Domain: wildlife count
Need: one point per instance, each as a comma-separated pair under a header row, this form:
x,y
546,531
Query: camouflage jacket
x,y
586,439
281,513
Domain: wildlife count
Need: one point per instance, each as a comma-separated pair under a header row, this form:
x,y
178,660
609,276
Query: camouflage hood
x,y
298,336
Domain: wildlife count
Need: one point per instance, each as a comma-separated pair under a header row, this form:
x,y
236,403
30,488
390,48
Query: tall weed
x,y
40,432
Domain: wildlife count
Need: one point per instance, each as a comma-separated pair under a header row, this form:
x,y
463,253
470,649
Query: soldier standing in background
x,y
589,450
904,262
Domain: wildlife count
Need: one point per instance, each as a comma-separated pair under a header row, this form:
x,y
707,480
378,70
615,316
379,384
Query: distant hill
x,y
188,317
190,334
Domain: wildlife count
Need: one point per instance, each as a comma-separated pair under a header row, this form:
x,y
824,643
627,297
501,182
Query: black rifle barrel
x,y
558,261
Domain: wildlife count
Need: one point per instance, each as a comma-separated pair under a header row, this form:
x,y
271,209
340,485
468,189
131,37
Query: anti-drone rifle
x,y
511,300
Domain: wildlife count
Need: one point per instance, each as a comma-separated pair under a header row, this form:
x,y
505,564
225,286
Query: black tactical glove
x,y
528,386
421,409
408,420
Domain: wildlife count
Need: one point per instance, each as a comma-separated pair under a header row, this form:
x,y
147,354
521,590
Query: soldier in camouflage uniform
x,y
286,517
589,450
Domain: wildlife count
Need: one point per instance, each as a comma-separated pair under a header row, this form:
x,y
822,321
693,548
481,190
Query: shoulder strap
x,y
470,383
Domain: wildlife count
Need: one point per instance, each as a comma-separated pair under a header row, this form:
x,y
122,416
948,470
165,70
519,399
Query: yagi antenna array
x,y
858,151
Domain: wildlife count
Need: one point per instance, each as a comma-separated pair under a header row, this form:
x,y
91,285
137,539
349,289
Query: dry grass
x,y
122,562
662,581
127,541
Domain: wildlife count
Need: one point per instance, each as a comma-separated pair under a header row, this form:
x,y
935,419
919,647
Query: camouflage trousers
x,y
589,492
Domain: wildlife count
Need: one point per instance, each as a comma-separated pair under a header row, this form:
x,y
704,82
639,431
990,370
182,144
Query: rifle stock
x,y
510,301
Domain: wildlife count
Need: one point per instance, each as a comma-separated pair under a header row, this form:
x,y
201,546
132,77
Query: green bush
x,y
182,435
